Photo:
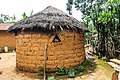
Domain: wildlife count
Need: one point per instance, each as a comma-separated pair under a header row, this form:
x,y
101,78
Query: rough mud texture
x,y
67,53
7,39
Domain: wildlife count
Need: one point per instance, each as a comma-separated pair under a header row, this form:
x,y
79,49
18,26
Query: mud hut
x,y
6,39
62,34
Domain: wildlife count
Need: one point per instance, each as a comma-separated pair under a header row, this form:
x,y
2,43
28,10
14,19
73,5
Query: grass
x,y
52,78
103,64
64,73
96,65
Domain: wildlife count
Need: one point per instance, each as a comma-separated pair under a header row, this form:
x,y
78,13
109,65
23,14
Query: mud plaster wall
x,y
7,39
67,53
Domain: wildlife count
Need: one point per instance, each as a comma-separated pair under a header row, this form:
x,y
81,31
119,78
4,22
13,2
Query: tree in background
x,y
24,15
12,19
103,16
7,19
85,6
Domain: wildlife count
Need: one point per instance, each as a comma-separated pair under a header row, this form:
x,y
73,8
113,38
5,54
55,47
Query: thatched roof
x,y
50,19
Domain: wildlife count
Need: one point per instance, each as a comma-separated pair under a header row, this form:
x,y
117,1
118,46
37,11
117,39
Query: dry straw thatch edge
x,y
50,19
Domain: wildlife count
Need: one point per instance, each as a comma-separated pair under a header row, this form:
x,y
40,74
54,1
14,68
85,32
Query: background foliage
x,y
7,19
102,17
12,19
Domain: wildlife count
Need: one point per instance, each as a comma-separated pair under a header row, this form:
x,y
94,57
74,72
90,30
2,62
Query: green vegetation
x,y
12,19
24,15
71,72
100,67
87,64
102,17
52,78
61,71
40,71
7,19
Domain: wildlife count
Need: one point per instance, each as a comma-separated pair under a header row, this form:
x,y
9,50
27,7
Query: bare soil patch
x,y
8,68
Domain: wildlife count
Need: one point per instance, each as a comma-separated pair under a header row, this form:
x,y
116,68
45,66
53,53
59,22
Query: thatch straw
x,y
50,19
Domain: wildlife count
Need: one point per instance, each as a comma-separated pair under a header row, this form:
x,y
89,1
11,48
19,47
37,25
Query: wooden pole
x,y
45,62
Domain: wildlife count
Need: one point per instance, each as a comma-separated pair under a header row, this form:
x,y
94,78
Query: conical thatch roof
x,y
49,20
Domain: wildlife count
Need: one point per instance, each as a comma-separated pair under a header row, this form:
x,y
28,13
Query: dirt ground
x,y
8,70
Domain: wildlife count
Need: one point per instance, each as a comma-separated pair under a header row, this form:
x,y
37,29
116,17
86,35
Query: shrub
x,y
87,64
52,78
40,71
61,71
71,73
79,68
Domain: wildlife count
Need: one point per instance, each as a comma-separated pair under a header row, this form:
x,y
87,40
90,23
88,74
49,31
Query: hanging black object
x,y
56,39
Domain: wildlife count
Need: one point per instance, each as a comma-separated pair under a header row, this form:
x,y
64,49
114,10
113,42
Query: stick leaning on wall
x,y
45,50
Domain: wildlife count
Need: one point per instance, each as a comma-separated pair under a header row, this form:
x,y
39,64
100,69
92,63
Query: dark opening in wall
x,y
56,39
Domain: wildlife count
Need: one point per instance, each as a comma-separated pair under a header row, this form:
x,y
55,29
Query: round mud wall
x,y
67,53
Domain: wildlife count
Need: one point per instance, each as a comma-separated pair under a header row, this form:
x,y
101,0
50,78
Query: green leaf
x,y
70,1
52,78
115,1
24,15
113,11
103,13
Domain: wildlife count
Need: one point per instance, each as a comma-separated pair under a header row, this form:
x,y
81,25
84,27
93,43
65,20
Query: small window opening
x,y
56,39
